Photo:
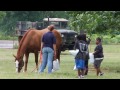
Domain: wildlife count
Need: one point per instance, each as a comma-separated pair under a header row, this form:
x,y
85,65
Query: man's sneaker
x,y
101,74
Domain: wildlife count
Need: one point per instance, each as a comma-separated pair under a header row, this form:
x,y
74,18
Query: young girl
x,y
80,57
98,55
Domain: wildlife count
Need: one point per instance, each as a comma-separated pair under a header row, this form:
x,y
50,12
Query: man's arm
x,y
41,47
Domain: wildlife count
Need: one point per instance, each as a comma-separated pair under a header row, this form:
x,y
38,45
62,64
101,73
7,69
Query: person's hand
x,y
93,53
40,61
40,51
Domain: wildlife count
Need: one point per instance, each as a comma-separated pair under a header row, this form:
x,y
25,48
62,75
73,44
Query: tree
x,y
2,15
8,23
98,22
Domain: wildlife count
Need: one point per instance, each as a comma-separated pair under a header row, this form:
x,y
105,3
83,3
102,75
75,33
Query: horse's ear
x,y
14,56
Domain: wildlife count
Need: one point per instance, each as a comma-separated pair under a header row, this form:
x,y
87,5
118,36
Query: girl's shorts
x,y
80,63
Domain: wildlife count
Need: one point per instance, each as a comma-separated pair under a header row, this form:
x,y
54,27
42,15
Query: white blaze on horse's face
x,y
16,63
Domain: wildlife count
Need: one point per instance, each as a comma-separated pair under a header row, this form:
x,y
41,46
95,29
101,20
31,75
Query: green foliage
x,y
106,39
7,37
2,15
94,22
10,18
114,40
118,38
2,37
97,22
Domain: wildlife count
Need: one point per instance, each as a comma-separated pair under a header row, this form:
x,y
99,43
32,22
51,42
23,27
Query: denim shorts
x,y
80,64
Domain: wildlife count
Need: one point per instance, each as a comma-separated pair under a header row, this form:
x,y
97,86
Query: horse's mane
x,y
23,38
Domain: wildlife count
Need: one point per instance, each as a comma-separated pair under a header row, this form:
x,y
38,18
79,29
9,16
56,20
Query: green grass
x,y
110,66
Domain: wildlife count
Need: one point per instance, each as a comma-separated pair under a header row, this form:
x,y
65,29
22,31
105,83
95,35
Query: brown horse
x,y
30,43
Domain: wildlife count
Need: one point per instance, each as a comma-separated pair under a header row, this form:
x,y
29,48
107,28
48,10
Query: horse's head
x,y
19,63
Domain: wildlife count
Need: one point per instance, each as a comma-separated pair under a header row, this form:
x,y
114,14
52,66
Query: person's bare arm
x,y
41,47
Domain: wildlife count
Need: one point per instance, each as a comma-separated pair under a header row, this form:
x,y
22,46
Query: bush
x,y
118,38
106,39
5,37
114,40
93,38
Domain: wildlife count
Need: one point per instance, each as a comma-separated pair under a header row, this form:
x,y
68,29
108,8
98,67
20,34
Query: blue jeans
x,y
47,59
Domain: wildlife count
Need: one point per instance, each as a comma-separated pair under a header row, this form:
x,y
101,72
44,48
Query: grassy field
x,y
110,66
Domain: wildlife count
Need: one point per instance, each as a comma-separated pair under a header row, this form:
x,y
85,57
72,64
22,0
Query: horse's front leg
x,y
36,60
26,61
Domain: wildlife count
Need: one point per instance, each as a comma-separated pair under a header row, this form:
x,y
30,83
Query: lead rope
x,y
39,63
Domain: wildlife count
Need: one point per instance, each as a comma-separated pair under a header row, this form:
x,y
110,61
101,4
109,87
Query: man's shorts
x,y
80,64
97,63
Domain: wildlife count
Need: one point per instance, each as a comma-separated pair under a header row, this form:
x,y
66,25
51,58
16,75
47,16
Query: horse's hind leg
x,y
58,53
26,61
36,60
